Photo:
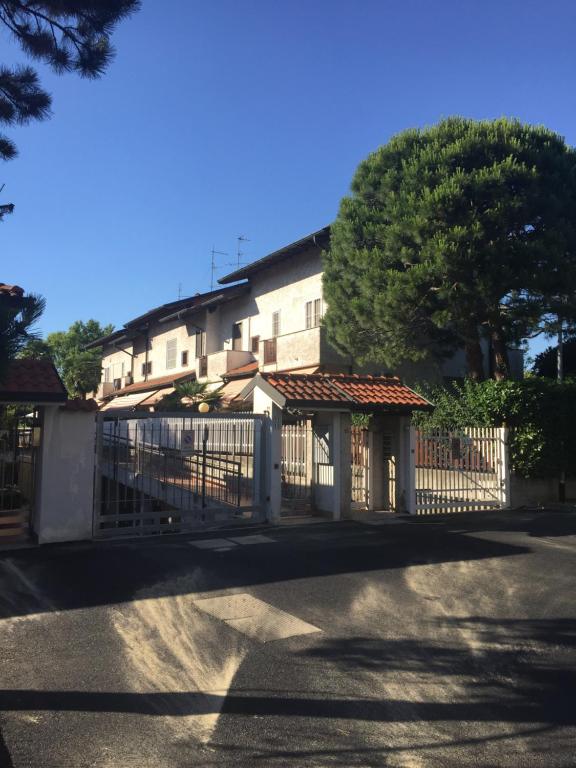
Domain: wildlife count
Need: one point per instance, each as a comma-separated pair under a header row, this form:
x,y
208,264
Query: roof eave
x,y
271,258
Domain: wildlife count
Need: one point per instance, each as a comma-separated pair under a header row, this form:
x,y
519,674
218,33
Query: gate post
x,y
505,468
272,455
411,471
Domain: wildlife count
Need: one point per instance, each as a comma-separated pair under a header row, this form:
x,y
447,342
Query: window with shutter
x,y
276,323
171,353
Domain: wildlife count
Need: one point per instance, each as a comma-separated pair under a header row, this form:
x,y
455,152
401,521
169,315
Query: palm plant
x,y
194,392
18,316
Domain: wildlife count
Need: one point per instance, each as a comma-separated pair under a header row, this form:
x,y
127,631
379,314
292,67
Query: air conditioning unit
x,y
128,380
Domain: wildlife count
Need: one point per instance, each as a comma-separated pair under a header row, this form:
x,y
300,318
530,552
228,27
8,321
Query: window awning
x,y
129,402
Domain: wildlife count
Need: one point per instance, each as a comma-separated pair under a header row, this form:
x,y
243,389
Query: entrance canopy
x,y
32,381
338,392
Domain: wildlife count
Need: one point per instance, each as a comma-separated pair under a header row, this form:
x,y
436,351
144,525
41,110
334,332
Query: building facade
x,y
266,316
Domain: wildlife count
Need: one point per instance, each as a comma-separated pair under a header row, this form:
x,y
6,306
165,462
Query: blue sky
x,y
228,117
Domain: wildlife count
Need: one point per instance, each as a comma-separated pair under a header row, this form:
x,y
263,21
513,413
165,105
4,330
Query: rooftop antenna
x,y
179,291
213,266
241,239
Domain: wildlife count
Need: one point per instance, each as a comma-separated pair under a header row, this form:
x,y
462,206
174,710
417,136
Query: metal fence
x,y
170,473
19,441
461,470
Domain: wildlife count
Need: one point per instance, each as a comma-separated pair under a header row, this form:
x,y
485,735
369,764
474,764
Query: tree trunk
x,y
474,358
501,362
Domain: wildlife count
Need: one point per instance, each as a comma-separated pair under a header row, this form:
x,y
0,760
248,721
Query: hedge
x,y
541,414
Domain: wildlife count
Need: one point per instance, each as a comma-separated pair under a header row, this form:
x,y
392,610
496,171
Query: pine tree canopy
x,y
456,232
68,35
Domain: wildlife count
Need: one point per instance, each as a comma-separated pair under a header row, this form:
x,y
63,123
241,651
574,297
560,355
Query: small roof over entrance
x,y
350,392
32,381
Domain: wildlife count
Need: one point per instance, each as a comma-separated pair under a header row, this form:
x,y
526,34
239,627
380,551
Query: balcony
x,y
213,366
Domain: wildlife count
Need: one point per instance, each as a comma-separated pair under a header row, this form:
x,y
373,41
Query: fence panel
x,y
360,467
170,473
460,471
296,466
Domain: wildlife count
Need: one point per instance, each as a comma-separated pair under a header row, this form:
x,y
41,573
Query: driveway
x,y
431,642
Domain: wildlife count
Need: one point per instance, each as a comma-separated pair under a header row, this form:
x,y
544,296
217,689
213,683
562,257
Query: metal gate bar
x,y
175,472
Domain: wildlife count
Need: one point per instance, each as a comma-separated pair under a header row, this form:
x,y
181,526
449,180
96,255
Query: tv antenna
x,y
213,266
239,253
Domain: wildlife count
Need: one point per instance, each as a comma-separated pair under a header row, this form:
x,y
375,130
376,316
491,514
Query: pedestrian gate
x,y
159,473
460,470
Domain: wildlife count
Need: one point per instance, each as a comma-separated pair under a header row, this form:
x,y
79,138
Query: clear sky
x,y
248,117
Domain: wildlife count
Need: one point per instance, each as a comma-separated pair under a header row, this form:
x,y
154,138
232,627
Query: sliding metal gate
x,y
461,470
160,473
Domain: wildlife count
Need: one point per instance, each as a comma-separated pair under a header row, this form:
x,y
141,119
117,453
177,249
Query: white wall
x,y
65,479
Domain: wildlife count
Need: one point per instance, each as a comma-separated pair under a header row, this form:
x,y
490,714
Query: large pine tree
x,y
68,35
450,233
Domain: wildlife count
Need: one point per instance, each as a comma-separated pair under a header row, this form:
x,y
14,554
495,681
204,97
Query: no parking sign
x,y
187,441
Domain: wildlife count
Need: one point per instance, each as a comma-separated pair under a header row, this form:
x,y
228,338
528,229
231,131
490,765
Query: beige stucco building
x,y
265,316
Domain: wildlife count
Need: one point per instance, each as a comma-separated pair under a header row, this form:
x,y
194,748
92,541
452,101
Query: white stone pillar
x,y
342,463
271,454
65,490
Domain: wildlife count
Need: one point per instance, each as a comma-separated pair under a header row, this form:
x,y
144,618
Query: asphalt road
x,y
433,642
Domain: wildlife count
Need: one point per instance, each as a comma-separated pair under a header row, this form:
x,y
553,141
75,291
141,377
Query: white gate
x,y
359,437
460,470
296,466
159,473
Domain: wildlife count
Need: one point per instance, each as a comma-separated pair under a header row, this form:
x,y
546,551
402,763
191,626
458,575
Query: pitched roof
x,y
11,290
348,391
320,238
32,381
170,311
242,371
152,384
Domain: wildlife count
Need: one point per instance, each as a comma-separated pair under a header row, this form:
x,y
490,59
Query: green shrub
x,y
541,414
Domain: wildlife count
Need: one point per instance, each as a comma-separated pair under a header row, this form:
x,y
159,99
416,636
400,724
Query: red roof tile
x,y
348,390
77,405
11,290
32,381
242,370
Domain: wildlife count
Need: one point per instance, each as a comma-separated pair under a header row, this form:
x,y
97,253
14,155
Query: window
x,y
237,336
106,374
269,351
255,344
171,352
276,323
184,358
203,367
200,343
147,368
313,313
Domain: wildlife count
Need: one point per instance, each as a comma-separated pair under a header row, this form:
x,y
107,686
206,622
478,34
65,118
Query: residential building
x,y
265,317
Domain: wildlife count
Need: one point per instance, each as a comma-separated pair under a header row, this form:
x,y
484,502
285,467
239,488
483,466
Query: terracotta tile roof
x,y
32,381
347,390
241,371
76,405
11,290
153,384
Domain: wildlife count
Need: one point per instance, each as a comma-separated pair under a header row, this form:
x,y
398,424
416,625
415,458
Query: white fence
x,y
460,470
